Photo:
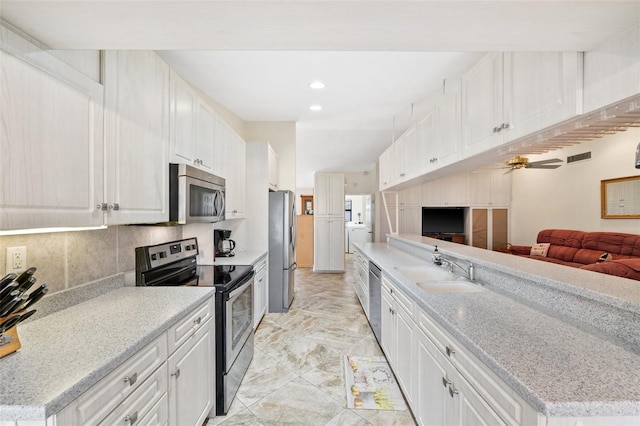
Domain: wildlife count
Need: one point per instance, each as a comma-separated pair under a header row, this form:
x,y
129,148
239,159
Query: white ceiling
x,y
383,61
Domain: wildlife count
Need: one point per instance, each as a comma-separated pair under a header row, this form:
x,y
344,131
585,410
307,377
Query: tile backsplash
x,y
70,259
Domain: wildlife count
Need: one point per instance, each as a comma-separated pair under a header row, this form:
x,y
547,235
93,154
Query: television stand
x,y
454,238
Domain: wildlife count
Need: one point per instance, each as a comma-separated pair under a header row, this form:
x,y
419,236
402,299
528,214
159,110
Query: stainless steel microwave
x,y
195,196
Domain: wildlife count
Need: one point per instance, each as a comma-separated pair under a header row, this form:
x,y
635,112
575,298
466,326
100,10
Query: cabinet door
x,y
427,150
221,146
431,391
540,89
387,167
206,134
410,152
237,179
191,378
322,244
337,194
472,408
260,294
137,137
387,329
482,105
51,140
405,352
183,121
612,70
336,251
274,169
448,132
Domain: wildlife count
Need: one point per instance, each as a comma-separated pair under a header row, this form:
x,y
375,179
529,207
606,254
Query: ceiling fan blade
x,y
552,160
509,171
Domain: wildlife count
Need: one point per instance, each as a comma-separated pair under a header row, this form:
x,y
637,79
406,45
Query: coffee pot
x,y
224,244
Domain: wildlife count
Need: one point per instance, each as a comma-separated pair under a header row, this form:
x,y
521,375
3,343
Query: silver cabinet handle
x,y
445,382
449,351
114,206
131,379
131,419
453,391
176,373
197,320
102,206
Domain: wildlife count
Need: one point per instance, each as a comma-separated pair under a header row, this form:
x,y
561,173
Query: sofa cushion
x,y
587,256
561,237
626,268
627,245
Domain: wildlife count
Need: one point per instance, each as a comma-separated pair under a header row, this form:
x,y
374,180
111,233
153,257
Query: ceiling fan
x,y
519,162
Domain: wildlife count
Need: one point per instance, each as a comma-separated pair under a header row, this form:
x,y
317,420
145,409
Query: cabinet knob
x,y
176,373
102,206
131,419
131,379
114,207
449,351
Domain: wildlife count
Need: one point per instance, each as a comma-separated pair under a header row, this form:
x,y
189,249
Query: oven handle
x,y
239,290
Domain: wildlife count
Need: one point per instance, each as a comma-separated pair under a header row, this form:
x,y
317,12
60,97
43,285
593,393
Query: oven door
x,y
239,319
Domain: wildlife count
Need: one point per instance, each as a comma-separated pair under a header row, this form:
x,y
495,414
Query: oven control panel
x,y
163,254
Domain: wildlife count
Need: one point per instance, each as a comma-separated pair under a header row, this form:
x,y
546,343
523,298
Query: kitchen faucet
x,y
437,259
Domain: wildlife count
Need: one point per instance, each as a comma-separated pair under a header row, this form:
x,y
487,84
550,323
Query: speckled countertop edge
x,y
58,360
559,376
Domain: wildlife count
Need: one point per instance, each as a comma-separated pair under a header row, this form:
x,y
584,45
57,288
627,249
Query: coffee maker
x,y
224,245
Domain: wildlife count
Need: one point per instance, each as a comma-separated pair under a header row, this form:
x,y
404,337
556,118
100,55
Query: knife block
x,y
9,341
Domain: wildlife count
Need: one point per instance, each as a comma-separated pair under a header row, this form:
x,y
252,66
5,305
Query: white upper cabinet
x,y
387,165
540,89
329,194
192,129
274,169
405,155
51,140
137,137
508,96
482,105
612,70
236,177
448,127
426,142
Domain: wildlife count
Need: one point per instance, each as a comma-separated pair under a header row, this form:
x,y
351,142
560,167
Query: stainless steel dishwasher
x,y
374,299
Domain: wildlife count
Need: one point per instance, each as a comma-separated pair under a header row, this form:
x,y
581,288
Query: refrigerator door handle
x,y
294,266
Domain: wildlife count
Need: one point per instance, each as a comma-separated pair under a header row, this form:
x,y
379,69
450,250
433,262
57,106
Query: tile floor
x,y
296,376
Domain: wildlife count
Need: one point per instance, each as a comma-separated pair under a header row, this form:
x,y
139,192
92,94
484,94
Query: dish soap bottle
x,y
435,257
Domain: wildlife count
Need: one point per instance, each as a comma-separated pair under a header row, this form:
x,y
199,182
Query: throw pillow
x,y
604,257
540,249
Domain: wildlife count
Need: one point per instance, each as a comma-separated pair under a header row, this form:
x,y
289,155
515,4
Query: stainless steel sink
x,y
437,280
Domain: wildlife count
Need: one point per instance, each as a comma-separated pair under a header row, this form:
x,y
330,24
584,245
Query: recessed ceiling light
x,y
317,85
315,108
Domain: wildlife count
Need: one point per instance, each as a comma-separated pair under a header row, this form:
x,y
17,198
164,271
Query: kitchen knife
x,y
8,307
7,279
36,295
27,284
9,323
12,286
8,303
26,315
18,306
25,275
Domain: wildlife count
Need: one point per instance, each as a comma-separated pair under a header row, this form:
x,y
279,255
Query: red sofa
x,y
586,250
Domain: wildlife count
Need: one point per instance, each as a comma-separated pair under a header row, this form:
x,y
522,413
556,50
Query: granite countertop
x,y
559,367
66,353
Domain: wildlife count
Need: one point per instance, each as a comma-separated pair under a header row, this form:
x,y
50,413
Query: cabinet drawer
x,y
260,265
158,415
400,298
96,403
180,332
141,402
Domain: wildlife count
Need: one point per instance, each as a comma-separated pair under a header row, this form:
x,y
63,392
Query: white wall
x,y
365,182
282,138
569,197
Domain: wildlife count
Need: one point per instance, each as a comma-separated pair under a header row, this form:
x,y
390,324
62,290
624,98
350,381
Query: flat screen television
x,y
443,220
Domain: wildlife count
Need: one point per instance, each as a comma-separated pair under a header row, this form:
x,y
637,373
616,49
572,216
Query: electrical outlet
x,y
16,259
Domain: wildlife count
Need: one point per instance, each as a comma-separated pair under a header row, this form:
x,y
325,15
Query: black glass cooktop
x,y
223,277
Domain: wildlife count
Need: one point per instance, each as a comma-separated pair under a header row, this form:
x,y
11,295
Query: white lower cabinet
x,y
361,283
260,291
168,382
397,336
328,247
191,372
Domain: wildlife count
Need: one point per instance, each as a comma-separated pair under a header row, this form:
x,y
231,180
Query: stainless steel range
x,y
174,264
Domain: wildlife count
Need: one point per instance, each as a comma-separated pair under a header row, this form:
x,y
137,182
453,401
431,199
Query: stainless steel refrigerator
x,y
282,250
